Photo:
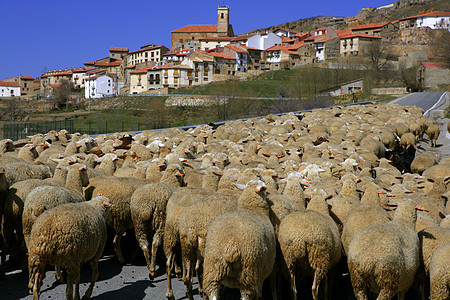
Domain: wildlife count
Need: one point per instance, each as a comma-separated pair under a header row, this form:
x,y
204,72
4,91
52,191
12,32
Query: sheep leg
x,y
94,267
386,294
69,288
156,243
199,272
293,286
38,277
169,266
318,277
273,283
77,285
58,275
117,248
187,278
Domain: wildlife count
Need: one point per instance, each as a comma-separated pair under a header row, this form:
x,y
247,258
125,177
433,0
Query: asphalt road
x,y
426,100
131,281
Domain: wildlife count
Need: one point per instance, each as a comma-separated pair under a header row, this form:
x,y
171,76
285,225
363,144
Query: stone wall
x,y
194,100
392,90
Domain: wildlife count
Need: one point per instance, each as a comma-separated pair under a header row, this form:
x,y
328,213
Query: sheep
x,y
310,243
433,132
439,170
68,236
422,162
18,171
28,153
148,212
119,191
408,140
243,255
384,257
368,213
440,273
41,199
193,226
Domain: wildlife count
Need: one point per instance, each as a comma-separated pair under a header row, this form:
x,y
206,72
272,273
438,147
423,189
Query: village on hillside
x,y
201,54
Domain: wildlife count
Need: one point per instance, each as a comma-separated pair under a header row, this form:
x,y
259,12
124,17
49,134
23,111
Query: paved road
x,y
426,100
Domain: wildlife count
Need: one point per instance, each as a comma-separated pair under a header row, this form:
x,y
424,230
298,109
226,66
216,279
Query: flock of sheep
x,y
276,198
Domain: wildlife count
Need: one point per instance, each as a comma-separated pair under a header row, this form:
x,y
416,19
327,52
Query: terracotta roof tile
x,y
325,39
147,49
216,38
370,26
26,77
140,71
274,48
11,84
221,54
118,49
346,36
197,28
434,65
237,49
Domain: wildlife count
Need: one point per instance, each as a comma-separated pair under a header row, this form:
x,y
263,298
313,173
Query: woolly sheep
x,y
422,162
119,191
41,199
440,273
68,236
433,134
241,256
384,257
18,171
309,241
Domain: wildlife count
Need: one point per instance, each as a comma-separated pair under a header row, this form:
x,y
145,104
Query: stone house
x,y
138,81
147,53
79,76
253,58
190,35
280,57
54,78
202,65
433,74
223,64
175,76
385,29
326,48
354,44
433,20
118,52
239,53
306,53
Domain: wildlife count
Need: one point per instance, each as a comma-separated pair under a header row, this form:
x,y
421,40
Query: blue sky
x,y
38,35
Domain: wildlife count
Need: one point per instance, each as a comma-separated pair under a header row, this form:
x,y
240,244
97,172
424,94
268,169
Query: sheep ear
x,y
329,197
359,191
392,204
239,186
420,208
442,215
217,173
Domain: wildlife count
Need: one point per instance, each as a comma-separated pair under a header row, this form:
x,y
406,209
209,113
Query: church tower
x,y
223,19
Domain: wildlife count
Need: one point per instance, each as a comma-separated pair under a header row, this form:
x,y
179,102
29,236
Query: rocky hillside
x,y
390,12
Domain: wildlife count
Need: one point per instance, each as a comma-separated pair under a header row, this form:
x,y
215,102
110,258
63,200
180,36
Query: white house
x,y
264,41
9,89
434,20
98,86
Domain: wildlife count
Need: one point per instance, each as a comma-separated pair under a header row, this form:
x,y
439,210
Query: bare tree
x,y
412,78
13,110
61,93
378,54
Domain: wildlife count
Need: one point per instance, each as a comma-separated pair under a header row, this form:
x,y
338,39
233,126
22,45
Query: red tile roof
x,y
221,54
250,48
343,32
140,71
197,28
275,48
118,49
237,49
321,29
296,46
108,64
83,69
354,19
432,13
93,71
160,66
325,39
434,65
55,85
147,49
95,77
131,67
346,36
370,26
216,38
57,74
26,77
290,52
11,84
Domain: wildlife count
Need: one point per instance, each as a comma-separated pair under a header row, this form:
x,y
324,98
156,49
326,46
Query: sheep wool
x,y
68,236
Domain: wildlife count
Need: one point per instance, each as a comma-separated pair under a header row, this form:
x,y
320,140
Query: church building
x,y
189,36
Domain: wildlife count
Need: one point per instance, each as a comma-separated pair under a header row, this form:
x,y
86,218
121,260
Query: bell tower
x,y
223,19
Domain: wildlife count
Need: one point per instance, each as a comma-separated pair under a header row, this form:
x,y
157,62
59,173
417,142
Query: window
x,y
221,15
146,54
192,38
152,54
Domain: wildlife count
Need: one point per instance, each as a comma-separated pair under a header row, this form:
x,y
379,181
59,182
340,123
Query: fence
x,y
20,130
